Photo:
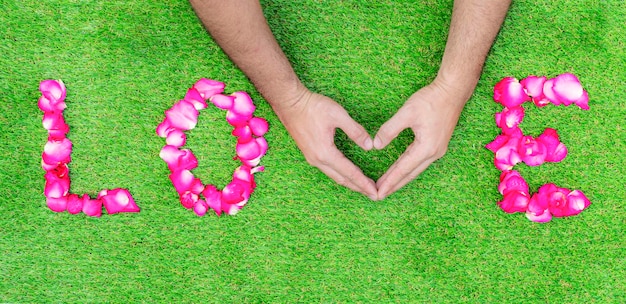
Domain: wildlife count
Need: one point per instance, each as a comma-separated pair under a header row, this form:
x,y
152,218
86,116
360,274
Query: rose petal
x,y
509,92
57,151
195,98
213,198
118,200
57,204
548,92
176,138
53,90
183,115
200,208
259,126
531,151
567,88
222,101
208,87
556,151
514,201
74,204
92,207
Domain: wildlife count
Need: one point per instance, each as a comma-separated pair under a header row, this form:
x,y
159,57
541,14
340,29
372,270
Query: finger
x,y
355,131
345,173
389,130
408,166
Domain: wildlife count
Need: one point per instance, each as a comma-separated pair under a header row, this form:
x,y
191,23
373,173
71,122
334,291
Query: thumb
x,y
355,132
388,131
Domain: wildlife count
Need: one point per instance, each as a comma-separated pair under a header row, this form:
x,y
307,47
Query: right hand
x,y
312,120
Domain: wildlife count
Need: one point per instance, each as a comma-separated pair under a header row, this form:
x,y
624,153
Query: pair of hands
x,y
432,113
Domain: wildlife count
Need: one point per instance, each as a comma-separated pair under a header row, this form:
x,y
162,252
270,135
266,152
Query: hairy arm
x,y
433,111
241,30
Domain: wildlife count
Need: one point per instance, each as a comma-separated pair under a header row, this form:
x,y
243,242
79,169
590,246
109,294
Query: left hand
x,y
432,113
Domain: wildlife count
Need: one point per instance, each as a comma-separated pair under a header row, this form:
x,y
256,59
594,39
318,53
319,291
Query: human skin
x,y
241,30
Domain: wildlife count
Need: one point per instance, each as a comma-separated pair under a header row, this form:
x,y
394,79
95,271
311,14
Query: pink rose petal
x,y
74,204
548,92
92,207
556,151
567,88
176,138
258,125
118,200
164,128
510,93
213,198
57,151
534,87
57,204
531,151
222,101
509,119
195,98
200,208
514,201
208,87
53,90
188,199
183,115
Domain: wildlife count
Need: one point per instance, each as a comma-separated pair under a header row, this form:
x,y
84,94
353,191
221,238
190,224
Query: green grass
x,y
302,238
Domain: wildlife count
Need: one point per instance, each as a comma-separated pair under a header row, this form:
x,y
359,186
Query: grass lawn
x,y
302,238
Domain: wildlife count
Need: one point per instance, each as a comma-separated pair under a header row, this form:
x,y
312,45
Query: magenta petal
x,y
176,138
514,201
567,88
183,115
248,150
53,90
170,154
243,133
259,126
243,104
195,98
118,200
538,207
74,204
57,151
213,198
48,105
532,151
208,87
56,187
164,128
182,180
548,92
534,86
92,207
577,202
509,119
512,181
188,199
233,193
57,204
223,101
509,92
497,143
583,101
556,151
55,124
200,208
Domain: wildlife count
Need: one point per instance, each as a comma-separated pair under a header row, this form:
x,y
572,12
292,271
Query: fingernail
x,y
373,197
368,145
378,143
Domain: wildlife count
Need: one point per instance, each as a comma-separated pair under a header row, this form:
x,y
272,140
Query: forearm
x,y
241,30
473,28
